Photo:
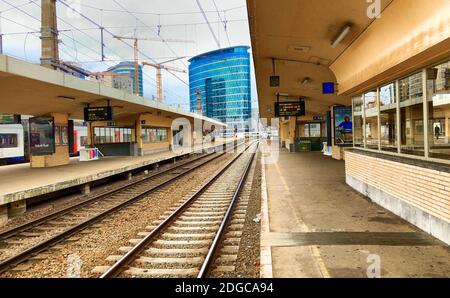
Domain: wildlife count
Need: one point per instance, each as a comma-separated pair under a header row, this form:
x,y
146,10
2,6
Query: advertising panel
x,y
42,136
343,126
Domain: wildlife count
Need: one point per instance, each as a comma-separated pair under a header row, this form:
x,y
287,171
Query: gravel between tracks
x,y
65,201
97,243
248,261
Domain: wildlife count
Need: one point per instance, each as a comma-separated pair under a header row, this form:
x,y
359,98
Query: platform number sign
x,y
42,136
343,126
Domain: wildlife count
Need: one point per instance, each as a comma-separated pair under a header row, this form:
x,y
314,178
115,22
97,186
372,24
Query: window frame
x,y
426,118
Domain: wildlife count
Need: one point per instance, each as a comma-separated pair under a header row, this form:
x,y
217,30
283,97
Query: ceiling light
x,y
306,81
344,32
298,49
66,97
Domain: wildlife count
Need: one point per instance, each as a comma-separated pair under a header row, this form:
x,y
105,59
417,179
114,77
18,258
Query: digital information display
x,y
42,136
293,108
98,114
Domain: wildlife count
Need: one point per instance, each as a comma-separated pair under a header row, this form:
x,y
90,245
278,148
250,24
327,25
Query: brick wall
x,y
423,188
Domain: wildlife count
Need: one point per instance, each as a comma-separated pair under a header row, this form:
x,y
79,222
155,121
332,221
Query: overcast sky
x,y
174,19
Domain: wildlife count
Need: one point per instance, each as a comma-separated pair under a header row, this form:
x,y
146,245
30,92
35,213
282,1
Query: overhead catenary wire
x,y
159,13
112,34
151,29
38,20
127,27
209,24
222,21
20,5
88,47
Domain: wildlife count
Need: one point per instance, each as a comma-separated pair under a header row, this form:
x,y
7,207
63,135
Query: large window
x,y
311,130
112,135
438,91
371,113
154,135
411,115
314,130
358,122
393,115
388,118
8,140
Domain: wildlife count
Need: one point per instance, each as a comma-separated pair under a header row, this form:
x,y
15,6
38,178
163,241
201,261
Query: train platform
x,y
20,182
315,225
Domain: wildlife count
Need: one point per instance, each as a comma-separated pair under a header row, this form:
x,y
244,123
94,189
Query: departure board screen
x,y
293,108
98,114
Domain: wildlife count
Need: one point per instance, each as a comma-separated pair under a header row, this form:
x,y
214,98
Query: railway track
x,y
23,242
185,243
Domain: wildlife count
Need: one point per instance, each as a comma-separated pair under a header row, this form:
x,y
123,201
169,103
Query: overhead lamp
x,y
306,80
66,97
274,80
344,32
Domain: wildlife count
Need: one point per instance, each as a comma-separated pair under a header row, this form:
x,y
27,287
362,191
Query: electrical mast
x,y
49,34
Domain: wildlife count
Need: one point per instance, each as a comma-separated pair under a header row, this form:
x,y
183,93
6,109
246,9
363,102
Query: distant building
x,y
128,69
223,79
124,83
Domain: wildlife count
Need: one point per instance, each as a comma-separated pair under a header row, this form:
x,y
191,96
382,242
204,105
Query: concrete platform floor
x,y
320,227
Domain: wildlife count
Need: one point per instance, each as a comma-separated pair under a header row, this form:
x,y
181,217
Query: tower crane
x,y
159,67
136,53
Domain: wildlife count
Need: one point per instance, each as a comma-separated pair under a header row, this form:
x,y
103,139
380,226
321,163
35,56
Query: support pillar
x,y
61,155
447,126
17,208
3,215
86,189
49,34
139,141
129,176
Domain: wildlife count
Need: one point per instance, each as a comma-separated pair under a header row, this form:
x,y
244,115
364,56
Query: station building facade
x,y
222,78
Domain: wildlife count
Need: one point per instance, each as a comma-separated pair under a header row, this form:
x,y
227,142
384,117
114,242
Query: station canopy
x,y
30,89
298,34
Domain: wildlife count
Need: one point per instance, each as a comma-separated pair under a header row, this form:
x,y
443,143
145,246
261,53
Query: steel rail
x,y
29,225
28,253
217,239
117,268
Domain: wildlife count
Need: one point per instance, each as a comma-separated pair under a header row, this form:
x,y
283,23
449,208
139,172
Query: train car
x,y
80,137
12,144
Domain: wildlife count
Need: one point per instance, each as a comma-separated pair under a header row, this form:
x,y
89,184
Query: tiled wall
x,y
424,188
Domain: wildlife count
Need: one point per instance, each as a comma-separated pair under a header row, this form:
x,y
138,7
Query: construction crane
x,y
159,67
136,53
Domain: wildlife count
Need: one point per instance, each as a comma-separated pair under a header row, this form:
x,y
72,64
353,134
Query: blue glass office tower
x,y
128,69
223,78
